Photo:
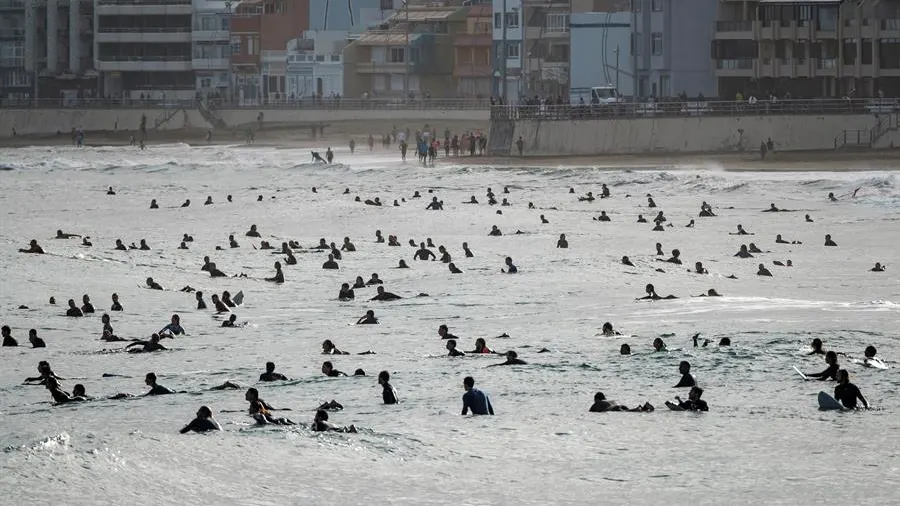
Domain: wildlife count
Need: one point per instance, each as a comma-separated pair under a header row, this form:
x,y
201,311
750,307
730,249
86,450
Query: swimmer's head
x,y
607,327
321,415
725,342
870,351
451,344
270,367
442,330
684,367
150,378
359,372
843,376
327,367
599,396
816,344
831,358
79,390
659,344
204,412
649,288
625,349
252,394
511,355
695,393
468,382
383,377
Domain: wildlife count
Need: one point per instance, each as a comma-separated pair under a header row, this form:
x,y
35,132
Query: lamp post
x,y
227,15
406,52
503,55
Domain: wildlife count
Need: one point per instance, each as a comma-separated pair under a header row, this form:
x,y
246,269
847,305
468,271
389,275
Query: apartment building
x,y
545,47
143,49
807,49
507,50
45,49
412,53
211,47
472,67
260,32
671,48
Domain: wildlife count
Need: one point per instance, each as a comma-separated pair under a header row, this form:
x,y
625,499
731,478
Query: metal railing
x,y
145,29
145,2
681,108
305,103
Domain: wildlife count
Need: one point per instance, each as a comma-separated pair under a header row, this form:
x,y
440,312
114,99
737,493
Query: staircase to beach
x,y
500,140
849,140
209,114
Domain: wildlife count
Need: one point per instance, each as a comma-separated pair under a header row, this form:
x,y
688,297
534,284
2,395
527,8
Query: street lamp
x,y
227,15
617,68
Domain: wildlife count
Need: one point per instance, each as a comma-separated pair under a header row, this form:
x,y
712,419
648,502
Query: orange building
x,y
472,54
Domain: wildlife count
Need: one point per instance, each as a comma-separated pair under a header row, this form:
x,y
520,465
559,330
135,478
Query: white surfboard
x,y
827,402
801,373
873,362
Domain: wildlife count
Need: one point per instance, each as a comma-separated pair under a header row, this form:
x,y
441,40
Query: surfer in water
x,y
686,379
830,373
694,403
321,424
33,247
271,375
475,400
148,346
652,295
316,157
848,393
203,423
601,405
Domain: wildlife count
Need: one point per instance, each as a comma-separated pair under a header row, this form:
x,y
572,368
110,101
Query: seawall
x,y
43,121
681,134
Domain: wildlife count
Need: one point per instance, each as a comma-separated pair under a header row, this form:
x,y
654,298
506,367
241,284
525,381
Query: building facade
x,y
601,52
46,50
410,55
211,48
545,45
315,65
808,49
143,49
671,51
507,50
472,68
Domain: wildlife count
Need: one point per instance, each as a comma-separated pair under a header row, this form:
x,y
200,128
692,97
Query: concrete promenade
x,y
693,128
47,121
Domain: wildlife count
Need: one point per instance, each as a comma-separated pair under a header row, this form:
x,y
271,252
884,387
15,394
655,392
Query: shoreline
x,y
283,138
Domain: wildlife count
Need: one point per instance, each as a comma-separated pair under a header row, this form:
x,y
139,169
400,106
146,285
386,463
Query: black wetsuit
x,y
847,394
201,425
827,374
686,381
272,376
698,405
388,394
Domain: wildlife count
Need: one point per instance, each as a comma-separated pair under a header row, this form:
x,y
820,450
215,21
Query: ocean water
x,y
763,441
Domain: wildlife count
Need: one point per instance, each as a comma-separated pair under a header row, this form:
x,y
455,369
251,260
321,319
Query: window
x,y
636,43
804,15
512,19
250,45
335,57
397,55
849,51
320,57
799,51
235,44
656,43
557,22
867,52
512,49
665,86
656,5
497,19
481,27
206,82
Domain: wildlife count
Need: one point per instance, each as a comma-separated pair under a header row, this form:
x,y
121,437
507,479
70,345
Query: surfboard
x,y
827,402
801,373
238,299
874,362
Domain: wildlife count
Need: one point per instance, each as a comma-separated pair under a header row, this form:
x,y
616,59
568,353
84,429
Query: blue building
x,y
348,15
601,52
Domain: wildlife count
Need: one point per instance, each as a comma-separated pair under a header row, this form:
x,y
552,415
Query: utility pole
x,y
617,69
406,53
228,16
503,55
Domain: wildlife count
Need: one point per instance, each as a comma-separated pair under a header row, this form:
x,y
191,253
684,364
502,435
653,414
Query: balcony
x,y
735,67
210,35
143,7
12,5
12,62
148,35
144,64
546,33
734,30
12,33
210,63
890,27
382,67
